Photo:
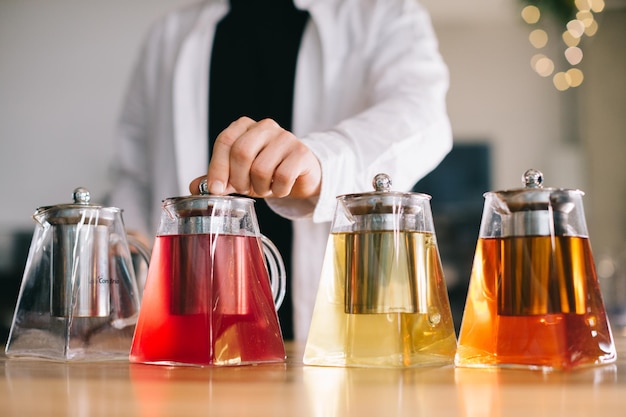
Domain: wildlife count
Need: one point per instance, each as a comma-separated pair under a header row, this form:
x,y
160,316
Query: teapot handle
x,y
276,271
143,251
138,245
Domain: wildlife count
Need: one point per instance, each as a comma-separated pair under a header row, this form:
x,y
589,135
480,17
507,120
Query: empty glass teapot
x,y
213,287
534,300
382,299
79,296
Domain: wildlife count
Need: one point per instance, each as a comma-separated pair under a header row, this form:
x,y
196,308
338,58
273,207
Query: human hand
x,y
261,159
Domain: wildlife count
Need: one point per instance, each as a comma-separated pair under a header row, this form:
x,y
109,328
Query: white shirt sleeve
x,y
388,59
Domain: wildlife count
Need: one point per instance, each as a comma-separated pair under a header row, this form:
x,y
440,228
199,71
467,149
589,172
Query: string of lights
x,y
579,21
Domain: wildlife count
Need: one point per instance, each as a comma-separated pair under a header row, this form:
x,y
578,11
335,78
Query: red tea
x,y
207,301
534,302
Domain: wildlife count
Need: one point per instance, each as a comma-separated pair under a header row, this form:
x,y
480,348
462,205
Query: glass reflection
x,y
496,392
338,392
37,387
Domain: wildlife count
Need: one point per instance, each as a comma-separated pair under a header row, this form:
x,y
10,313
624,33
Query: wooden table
x,y
40,388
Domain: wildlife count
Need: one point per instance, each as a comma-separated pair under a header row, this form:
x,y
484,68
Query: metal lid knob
x,y
81,196
382,182
532,178
204,187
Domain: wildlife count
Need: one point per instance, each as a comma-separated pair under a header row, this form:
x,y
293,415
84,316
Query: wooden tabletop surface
x,y
41,388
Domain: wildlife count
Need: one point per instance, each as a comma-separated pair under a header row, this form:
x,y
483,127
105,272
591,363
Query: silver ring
x,y
204,186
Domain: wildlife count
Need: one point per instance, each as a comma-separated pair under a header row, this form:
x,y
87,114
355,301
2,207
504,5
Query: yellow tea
x,y
382,301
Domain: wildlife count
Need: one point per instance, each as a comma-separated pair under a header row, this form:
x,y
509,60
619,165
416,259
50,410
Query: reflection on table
x,y
31,387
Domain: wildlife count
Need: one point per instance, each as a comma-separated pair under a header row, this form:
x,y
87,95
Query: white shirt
x,y
369,97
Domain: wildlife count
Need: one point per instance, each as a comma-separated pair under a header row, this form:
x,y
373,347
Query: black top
x,y
252,74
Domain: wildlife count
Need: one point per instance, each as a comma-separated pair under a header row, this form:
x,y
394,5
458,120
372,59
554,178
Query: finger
x,y
285,177
299,175
219,172
246,174
264,167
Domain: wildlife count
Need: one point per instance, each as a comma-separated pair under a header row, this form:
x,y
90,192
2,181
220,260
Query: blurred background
x,y
64,65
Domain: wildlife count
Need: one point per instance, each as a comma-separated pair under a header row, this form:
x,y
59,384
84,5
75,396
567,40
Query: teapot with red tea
x,y
213,287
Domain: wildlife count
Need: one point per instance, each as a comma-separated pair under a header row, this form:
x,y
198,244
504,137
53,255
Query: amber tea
x,y
534,301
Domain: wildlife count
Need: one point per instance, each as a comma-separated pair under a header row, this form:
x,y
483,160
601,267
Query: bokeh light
x,y
560,81
542,65
583,5
538,38
576,28
597,5
574,77
531,14
591,29
569,40
574,55
586,17
585,24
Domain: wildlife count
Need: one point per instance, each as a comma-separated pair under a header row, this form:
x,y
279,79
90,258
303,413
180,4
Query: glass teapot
x,y
534,300
213,287
382,299
79,296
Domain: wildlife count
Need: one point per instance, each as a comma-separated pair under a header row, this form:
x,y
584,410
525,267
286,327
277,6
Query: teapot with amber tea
x,y
534,300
